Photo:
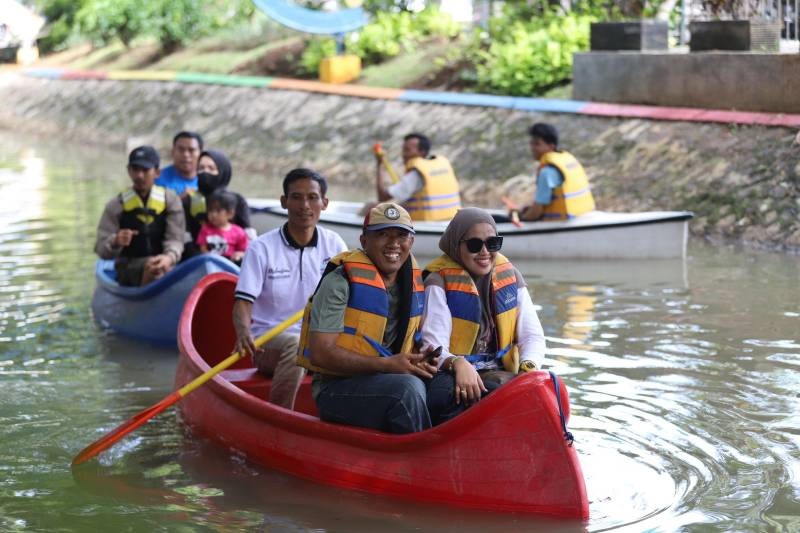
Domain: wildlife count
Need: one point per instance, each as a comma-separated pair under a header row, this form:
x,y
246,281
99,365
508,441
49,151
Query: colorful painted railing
x,y
544,105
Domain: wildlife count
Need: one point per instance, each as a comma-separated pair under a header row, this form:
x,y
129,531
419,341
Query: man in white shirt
x,y
280,271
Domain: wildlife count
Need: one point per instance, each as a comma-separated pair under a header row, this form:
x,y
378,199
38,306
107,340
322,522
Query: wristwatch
x,y
527,366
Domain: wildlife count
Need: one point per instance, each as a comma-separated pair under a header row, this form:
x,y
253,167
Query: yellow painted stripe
x,y
154,75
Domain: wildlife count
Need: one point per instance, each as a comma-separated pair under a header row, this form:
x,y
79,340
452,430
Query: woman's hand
x,y
469,385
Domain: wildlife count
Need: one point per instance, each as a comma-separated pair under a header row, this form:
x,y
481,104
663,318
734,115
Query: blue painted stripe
x,y
433,97
548,105
49,73
464,306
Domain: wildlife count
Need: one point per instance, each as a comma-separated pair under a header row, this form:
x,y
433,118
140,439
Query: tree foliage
x,y
388,34
172,22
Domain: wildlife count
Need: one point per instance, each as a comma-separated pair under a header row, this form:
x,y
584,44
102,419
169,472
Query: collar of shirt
x,y
289,240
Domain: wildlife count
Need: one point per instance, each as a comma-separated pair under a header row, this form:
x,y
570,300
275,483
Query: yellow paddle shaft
x,y
228,361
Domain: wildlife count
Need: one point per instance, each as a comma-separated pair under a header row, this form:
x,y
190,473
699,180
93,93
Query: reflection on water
x,y
683,380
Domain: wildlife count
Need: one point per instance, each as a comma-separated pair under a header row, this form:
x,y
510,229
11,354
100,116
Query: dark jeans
x,y
442,398
387,402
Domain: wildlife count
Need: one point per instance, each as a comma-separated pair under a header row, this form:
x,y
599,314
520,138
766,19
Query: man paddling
x,y
562,188
280,271
142,227
360,331
181,175
429,189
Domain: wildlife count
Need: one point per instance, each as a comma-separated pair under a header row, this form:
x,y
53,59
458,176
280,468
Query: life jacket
x,y
150,220
367,309
195,210
574,196
439,197
463,300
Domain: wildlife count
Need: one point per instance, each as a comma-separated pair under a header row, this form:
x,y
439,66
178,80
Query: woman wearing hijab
x,y
478,309
213,173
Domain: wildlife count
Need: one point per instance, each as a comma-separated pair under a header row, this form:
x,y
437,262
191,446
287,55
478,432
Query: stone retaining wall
x,y
743,182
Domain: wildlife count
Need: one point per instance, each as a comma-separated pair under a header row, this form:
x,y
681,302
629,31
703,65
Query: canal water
x,y
684,380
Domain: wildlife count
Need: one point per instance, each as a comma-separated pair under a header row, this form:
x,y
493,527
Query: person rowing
x,y
280,270
429,188
562,187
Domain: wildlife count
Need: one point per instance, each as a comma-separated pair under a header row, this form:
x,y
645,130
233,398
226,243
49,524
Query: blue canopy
x,y
313,21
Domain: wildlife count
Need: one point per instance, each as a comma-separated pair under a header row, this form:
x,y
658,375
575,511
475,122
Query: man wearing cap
x,y
280,270
360,331
142,227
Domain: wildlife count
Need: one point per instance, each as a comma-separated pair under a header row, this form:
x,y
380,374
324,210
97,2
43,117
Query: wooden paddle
x,y
513,211
378,149
109,439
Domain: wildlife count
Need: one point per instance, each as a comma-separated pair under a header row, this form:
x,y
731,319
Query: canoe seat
x,y
253,382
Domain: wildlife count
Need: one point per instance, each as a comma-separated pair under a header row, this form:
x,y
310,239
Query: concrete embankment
x,y
742,182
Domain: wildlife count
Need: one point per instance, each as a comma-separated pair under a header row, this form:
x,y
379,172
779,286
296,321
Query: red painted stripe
x,y
690,114
83,75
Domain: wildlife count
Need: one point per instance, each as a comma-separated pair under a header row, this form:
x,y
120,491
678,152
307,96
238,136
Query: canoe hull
x,y
505,454
150,313
597,235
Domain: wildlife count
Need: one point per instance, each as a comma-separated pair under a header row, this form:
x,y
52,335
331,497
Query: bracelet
x,y
527,366
451,363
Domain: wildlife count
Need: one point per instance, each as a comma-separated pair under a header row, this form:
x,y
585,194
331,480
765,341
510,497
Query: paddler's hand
x,y
409,363
124,237
158,265
245,344
469,385
242,319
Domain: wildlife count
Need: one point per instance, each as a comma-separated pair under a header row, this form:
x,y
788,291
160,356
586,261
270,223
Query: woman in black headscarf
x,y
479,310
214,172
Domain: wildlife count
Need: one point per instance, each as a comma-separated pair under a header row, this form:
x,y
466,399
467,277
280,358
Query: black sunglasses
x,y
493,244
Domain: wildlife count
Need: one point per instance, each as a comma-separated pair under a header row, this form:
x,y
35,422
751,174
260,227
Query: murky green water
x,y
684,381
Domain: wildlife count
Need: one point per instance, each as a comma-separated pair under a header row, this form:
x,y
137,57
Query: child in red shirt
x,y
219,235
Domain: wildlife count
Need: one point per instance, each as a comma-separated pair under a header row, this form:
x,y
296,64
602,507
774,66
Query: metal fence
x,y
790,16
785,11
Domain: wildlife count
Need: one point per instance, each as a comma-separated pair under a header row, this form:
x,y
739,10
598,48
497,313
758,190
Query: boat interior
x,y
214,339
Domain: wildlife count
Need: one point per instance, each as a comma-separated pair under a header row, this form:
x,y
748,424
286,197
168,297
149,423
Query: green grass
x,y
405,69
202,59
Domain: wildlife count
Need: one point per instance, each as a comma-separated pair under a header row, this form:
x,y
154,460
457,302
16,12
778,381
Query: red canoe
x,y
507,453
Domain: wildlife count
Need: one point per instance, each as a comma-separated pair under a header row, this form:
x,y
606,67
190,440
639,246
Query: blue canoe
x,y
150,313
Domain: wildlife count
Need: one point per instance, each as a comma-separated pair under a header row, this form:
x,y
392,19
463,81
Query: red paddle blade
x,y
126,427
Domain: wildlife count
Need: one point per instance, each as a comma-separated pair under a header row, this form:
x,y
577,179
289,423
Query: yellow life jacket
x,y
439,198
367,309
197,206
574,196
148,220
156,203
464,303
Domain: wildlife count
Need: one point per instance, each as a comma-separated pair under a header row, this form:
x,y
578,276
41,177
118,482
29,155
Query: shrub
x,y
105,20
526,58
386,36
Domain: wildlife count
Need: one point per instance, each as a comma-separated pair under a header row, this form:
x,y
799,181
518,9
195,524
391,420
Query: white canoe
x,y
595,235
